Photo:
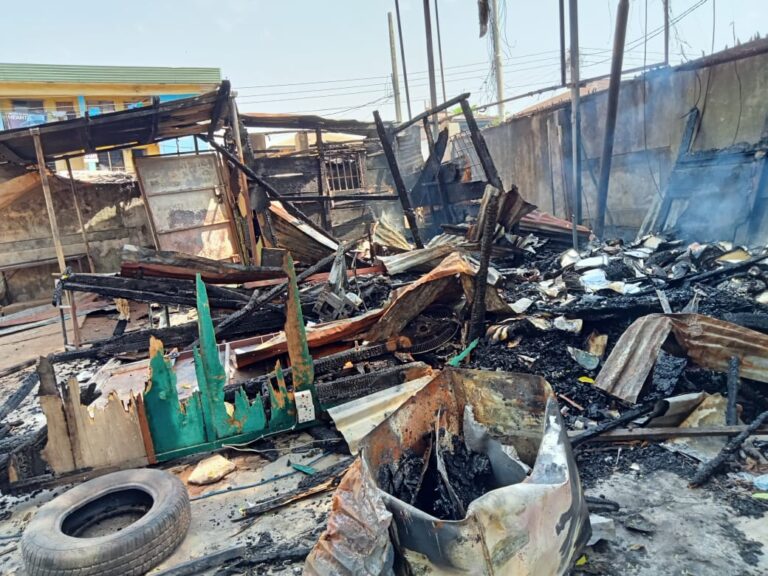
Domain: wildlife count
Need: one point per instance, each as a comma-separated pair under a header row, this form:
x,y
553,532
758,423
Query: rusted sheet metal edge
x,y
707,341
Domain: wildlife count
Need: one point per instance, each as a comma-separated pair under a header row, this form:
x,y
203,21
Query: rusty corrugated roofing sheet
x,y
707,341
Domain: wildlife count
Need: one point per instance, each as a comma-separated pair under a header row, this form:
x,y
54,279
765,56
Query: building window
x,y
24,113
111,160
96,107
65,111
343,173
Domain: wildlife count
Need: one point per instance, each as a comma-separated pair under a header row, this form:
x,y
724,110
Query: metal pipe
x,y
610,121
666,32
402,58
563,78
573,10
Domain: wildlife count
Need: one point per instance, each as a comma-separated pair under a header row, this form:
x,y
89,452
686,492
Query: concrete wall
x,y
534,151
113,215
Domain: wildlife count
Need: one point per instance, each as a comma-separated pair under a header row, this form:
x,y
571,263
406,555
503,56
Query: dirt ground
x,y
686,531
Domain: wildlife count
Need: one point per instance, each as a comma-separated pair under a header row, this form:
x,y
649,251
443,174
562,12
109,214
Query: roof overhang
x,y
202,114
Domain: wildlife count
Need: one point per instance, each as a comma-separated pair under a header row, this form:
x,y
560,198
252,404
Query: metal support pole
x,y
498,70
430,60
440,50
563,78
573,10
35,132
397,178
610,121
325,216
76,202
395,78
666,32
402,58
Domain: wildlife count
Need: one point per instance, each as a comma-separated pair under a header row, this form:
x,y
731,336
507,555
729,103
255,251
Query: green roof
x,y
65,73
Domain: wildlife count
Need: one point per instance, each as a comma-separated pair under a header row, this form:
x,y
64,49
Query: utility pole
x,y
666,32
402,59
395,79
498,71
440,51
573,9
430,59
619,36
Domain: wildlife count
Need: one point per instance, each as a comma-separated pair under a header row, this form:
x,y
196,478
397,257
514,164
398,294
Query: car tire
x,y
51,544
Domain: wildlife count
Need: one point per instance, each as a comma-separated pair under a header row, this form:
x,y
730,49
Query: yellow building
x,y
36,93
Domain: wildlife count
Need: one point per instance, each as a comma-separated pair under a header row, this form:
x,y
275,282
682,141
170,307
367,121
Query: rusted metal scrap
x,y
708,342
447,282
535,525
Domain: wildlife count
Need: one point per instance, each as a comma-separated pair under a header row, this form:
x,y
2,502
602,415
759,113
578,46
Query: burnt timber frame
x,y
397,177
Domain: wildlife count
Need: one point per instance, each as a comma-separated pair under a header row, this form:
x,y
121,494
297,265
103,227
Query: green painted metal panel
x,y
171,424
77,74
283,414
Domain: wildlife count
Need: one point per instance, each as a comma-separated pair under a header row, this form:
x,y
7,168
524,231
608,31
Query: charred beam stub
x,y
397,178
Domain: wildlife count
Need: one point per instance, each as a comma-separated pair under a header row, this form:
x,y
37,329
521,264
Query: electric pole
x,y
498,71
573,10
395,78
430,56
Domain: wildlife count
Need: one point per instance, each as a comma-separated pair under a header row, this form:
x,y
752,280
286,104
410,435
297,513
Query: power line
x,y
343,91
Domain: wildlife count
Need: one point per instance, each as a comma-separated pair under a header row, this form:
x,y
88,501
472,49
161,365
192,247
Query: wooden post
x,y
72,187
325,211
35,132
389,153
244,205
477,319
447,211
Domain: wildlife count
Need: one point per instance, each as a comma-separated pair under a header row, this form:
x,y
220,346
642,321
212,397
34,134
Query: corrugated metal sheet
x,y
65,73
707,341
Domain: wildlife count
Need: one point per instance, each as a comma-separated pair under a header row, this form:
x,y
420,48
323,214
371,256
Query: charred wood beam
x,y
477,319
433,165
656,409
218,108
179,336
427,113
731,416
165,291
665,433
10,155
152,133
705,471
322,481
16,367
397,178
266,186
18,396
140,262
256,300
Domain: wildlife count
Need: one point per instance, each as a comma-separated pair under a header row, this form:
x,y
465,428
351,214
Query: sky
x,y
332,57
